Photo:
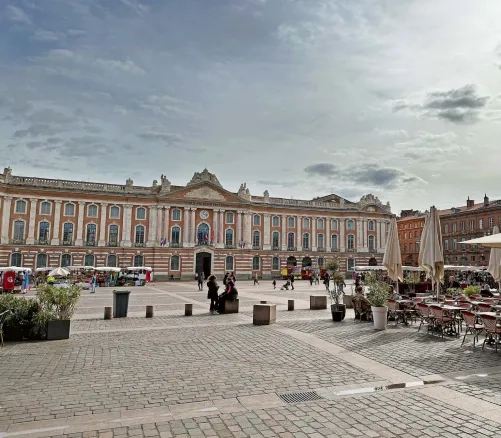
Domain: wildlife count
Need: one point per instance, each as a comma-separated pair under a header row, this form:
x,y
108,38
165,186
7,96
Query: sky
x,y
302,98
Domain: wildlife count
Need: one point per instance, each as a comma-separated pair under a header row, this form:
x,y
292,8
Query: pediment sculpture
x,y
204,193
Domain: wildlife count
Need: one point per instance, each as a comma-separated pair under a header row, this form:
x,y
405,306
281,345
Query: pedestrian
x,y
232,277
200,281
256,281
341,285
93,282
274,283
311,279
225,279
292,280
26,282
327,281
212,294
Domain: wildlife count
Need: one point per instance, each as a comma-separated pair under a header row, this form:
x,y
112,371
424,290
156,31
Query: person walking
x,y
292,280
200,281
93,282
212,294
341,285
256,281
327,281
274,283
311,279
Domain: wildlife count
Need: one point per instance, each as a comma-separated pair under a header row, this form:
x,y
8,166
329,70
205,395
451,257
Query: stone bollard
x,y
263,302
188,309
149,311
290,305
107,313
318,302
264,314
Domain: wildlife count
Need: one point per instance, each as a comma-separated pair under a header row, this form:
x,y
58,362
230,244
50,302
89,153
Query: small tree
x,y
332,268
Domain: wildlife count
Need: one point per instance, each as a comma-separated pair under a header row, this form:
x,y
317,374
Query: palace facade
x,y
180,230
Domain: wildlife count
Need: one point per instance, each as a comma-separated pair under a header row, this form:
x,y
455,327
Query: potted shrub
x,y
338,311
378,297
336,278
57,306
472,290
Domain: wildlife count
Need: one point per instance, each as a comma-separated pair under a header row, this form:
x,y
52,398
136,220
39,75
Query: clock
x,y
204,214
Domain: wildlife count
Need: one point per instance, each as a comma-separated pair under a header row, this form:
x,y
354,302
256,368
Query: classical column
x,y
159,222
193,231
384,234
165,225
283,218
327,238
7,202
238,238
127,225
314,234
342,243
299,237
102,226
80,230
152,226
248,230
215,218
32,224
57,223
186,226
365,234
267,232
358,237
221,228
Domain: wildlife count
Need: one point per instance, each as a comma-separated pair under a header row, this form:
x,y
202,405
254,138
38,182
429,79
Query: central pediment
x,y
204,191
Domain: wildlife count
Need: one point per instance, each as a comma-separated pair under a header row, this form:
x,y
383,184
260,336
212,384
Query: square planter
x,y
58,329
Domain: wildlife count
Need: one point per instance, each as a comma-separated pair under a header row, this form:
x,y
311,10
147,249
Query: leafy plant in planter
x,y
20,323
57,306
338,309
454,291
472,290
378,298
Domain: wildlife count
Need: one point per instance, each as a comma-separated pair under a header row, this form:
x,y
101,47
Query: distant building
x,y
410,226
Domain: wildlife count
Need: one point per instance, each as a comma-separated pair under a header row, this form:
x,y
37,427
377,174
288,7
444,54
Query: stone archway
x,y
291,261
372,261
307,262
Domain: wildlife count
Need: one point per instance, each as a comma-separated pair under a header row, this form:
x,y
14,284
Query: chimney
x,y
470,203
486,200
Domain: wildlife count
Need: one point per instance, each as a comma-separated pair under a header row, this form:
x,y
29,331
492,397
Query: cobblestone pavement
x,y
218,375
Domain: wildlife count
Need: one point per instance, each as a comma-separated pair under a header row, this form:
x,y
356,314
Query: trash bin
x,y
120,303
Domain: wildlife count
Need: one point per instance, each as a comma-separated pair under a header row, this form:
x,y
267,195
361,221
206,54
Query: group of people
x,y
230,292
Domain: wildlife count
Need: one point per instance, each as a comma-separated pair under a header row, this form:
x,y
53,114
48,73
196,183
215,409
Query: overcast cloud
x,y
300,97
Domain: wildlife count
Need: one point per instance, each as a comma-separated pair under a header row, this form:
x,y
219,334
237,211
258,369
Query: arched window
x,y
41,260
16,259
20,206
370,225
113,235
291,222
176,214
275,221
291,240
320,241
334,244
256,239
90,235
334,224
321,262
275,240
45,208
203,234
306,222
175,263
65,260
306,240
92,210
291,261
67,233
43,232
19,230
351,265
256,263
141,213
69,209
229,237
351,241
139,235
114,212
275,264
371,243
138,260
175,235
256,220
229,263
350,225
89,260
112,261
320,224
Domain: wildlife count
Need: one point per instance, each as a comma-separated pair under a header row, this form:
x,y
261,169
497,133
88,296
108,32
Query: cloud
x,y
17,15
161,136
126,66
45,35
35,131
321,169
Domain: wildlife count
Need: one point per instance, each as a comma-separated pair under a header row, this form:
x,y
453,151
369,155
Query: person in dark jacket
x,y
225,278
212,294
292,280
230,294
200,279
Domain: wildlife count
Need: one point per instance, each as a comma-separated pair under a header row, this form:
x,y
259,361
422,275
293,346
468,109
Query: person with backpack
x,y
212,294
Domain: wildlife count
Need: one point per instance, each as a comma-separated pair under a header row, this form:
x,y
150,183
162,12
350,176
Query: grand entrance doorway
x,y
203,263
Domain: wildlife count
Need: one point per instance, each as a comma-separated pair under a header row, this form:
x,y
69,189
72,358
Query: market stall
x,y
14,279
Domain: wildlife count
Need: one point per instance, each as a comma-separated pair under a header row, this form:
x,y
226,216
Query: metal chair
x,y
3,318
492,330
472,326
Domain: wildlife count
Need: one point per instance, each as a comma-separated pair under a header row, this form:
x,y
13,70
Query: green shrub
x,y
471,290
60,303
378,290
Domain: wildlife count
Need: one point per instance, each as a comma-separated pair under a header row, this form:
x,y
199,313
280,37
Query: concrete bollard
x,y
188,309
290,305
149,311
107,313
263,302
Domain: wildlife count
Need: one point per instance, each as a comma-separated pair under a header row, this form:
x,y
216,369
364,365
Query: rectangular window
x,y
92,211
491,222
463,245
417,246
176,232
481,224
230,219
461,224
113,237
446,228
20,206
140,234
334,224
68,232
257,220
320,241
291,222
114,212
446,245
276,221
454,244
43,233
472,224
454,227
91,233
19,230
45,208
176,214
472,258
69,210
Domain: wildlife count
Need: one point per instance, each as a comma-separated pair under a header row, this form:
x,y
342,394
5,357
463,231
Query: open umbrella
x,y
492,241
392,259
59,272
431,254
495,260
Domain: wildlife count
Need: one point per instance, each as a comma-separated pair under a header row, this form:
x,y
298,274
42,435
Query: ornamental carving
x,y
204,193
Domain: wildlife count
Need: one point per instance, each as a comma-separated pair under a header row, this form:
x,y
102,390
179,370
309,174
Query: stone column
x,y
57,223
80,230
159,222
102,226
152,226
327,238
248,229
215,217
299,236
238,237
7,203
127,225
314,234
32,225
384,235
186,226
221,227
193,231
365,234
267,232
284,242
342,242
359,240
165,225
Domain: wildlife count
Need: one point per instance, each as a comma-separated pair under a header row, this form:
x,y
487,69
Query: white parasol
x,y
392,259
59,272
